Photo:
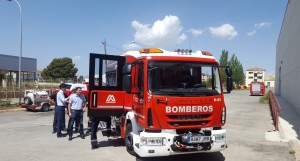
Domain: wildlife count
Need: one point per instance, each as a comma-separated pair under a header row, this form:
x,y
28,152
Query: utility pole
x,y
104,45
20,56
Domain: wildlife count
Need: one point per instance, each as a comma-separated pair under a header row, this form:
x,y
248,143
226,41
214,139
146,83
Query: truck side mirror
x,y
127,69
127,83
229,84
228,71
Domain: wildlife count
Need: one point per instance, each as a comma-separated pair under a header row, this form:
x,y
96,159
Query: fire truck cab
x,y
162,102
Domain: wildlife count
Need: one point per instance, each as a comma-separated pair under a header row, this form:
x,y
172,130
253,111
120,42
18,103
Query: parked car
x,y
71,86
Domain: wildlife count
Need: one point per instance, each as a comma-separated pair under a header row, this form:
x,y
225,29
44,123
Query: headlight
x,y
153,141
220,137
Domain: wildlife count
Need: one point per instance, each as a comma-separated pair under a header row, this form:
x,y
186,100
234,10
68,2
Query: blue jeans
x,y
76,114
55,121
60,114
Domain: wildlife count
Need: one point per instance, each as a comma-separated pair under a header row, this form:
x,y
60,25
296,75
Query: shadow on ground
x,y
217,156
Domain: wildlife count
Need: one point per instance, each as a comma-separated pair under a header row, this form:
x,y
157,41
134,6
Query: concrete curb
x,y
293,143
13,109
281,133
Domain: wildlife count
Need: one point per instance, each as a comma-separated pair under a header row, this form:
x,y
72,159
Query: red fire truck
x,y
162,102
257,88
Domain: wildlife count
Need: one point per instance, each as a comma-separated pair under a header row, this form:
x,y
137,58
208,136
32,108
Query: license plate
x,y
198,139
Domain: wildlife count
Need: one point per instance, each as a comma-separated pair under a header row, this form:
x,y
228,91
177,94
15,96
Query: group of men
x,y
76,106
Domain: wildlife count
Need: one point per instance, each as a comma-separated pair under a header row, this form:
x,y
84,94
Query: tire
x,y
27,101
129,140
45,107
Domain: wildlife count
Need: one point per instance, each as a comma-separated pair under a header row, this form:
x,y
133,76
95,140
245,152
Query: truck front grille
x,y
189,117
189,120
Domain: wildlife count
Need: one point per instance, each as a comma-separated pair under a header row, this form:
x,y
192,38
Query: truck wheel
x,y
129,140
27,101
45,107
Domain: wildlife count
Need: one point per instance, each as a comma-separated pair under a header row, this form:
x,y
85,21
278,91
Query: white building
x,y
288,56
254,74
270,81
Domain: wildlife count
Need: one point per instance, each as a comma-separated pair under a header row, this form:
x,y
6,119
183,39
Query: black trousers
x,y
94,127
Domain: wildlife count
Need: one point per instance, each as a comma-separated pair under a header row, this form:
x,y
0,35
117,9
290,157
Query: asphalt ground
x,y
26,135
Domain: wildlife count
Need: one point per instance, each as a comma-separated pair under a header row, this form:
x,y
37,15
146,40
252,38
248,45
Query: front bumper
x,y
170,144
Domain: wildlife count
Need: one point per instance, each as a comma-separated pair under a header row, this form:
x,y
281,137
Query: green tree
x,y
60,68
237,70
224,62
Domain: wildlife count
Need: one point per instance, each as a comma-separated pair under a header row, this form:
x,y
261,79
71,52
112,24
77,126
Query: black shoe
x,y
54,131
95,147
82,136
70,138
60,135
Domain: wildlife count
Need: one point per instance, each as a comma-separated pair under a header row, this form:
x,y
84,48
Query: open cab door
x,y
106,95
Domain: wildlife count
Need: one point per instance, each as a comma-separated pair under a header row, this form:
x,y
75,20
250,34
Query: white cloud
x,y
196,32
225,31
75,58
131,46
162,33
251,33
262,25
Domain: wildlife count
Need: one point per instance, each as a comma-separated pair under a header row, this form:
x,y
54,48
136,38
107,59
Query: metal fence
x,y
275,109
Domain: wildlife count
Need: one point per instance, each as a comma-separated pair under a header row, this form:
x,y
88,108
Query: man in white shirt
x,y
61,102
76,107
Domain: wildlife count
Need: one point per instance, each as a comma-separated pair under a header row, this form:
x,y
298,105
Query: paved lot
x,y
27,136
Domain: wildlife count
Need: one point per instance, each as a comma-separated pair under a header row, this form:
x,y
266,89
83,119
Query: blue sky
x,y
75,28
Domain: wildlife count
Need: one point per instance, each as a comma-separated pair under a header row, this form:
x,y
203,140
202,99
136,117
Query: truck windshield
x,y
183,78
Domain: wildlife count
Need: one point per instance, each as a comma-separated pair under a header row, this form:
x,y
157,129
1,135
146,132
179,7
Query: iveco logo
x,y
110,99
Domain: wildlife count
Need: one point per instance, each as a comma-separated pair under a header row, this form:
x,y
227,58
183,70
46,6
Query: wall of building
x,y
11,63
288,56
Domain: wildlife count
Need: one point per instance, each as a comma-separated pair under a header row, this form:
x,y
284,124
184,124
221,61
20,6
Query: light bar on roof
x,y
206,53
150,50
183,52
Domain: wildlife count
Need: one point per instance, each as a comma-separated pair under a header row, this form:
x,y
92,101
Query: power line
x,y
114,47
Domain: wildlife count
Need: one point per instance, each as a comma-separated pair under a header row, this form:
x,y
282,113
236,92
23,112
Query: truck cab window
x,y
139,80
183,79
109,73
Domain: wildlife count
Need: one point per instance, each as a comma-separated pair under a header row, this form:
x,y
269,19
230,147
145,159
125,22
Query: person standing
x,y
77,120
61,101
94,123
52,100
76,107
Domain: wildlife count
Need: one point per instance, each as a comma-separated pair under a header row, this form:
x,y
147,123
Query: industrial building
x,y
9,69
288,56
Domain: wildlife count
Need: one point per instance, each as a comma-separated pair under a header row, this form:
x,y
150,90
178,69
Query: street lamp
x,y
20,57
